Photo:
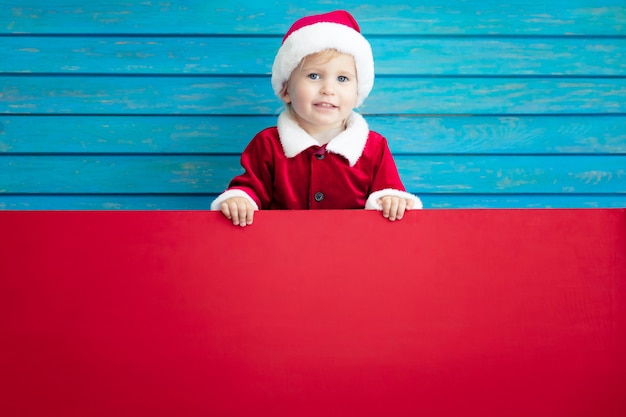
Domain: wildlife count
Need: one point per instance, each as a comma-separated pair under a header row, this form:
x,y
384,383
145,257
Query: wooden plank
x,y
494,56
106,202
115,174
211,174
582,134
254,55
508,201
253,95
525,17
514,174
203,201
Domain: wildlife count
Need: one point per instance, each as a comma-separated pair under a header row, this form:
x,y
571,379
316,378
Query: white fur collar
x,y
349,143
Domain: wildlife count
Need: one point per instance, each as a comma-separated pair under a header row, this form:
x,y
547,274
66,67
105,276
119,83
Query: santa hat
x,y
335,30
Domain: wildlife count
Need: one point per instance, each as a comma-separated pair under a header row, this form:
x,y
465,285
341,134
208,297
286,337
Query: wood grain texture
x,y
147,105
254,96
211,174
524,17
218,55
407,134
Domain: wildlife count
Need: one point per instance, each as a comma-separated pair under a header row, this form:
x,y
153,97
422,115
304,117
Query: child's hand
x,y
239,210
394,207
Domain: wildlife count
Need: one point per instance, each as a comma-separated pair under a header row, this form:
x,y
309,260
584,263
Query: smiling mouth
x,y
325,105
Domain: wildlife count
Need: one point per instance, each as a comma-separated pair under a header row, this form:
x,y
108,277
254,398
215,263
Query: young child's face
x,y
322,91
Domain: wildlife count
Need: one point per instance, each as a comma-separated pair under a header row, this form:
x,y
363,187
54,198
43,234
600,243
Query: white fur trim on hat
x,y
319,37
373,204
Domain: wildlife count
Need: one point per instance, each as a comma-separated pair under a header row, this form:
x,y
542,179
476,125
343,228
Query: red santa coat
x,y
286,169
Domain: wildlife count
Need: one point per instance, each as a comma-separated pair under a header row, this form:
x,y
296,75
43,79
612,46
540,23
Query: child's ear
x,y
284,94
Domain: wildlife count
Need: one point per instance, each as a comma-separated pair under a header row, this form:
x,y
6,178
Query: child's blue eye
x,y
314,76
342,78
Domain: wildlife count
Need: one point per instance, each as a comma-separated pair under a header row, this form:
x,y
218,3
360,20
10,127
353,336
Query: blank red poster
x,y
332,313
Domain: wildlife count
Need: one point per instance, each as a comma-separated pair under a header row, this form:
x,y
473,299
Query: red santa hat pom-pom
x,y
335,30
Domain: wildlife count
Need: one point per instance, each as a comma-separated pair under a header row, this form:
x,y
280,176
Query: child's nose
x,y
327,88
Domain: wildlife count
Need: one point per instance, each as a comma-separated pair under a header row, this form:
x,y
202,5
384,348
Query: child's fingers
x,y
230,209
386,206
225,209
390,207
393,208
242,214
402,208
402,205
238,210
250,215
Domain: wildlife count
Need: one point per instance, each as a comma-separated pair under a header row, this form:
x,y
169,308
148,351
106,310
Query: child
x,y
321,154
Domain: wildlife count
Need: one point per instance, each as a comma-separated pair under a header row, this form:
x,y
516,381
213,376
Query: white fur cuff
x,y
215,205
373,204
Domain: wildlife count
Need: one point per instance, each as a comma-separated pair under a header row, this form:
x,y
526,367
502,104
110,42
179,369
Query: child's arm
x,y
251,190
388,193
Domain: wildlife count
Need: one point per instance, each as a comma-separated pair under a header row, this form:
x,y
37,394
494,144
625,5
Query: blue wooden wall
x,y
147,104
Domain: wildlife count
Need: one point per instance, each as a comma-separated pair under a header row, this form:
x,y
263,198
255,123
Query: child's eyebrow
x,y
313,67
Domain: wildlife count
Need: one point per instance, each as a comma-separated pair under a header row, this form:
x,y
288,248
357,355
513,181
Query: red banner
x,y
313,313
